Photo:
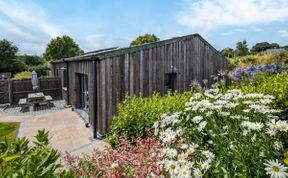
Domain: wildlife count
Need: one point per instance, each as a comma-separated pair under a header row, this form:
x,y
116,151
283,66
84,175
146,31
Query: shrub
x,y
136,115
40,69
275,85
22,159
223,134
259,59
249,72
129,159
23,75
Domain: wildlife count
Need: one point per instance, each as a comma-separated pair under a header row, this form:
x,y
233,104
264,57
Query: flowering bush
x,y
249,72
136,115
129,159
275,85
223,134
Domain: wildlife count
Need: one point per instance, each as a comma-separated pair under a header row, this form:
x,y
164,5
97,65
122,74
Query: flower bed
x,y
223,134
137,158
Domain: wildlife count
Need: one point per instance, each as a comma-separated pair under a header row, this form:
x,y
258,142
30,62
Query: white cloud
x,y
100,41
18,33
227,33
206,15
27,24
284,33
30,16
256,29
96,42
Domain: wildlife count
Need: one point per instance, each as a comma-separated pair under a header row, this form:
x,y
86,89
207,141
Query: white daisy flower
x,y
275,169
282,125
209,113
197,173
277,145
204,166
271,132
183,155
182,161
190,164
197,119
258,126
272,124
190,150
184,146
246,110
224,114
185,172
201,126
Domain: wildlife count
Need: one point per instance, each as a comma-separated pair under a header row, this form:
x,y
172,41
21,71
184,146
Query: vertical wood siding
x,y
141,72
144,72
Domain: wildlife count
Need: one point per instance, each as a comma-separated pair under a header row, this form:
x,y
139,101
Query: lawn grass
x,y
9,130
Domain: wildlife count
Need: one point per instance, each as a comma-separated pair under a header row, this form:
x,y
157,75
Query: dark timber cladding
x,y
141,69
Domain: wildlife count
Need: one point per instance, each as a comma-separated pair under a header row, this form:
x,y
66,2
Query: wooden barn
x,y
96,82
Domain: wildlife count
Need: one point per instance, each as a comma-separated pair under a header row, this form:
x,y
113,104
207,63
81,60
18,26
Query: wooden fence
x,y
12,90
4,91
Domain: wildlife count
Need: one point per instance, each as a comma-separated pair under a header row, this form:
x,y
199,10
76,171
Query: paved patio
x,y
66,129
15,110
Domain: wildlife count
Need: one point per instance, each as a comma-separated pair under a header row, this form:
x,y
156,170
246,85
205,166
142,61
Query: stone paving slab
x,y
66,129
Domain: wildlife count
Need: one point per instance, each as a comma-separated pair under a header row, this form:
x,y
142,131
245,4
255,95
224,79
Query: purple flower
x,y
250,71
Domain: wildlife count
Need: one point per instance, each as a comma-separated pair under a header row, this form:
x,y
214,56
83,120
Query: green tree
x,y
242,48
8,61
274,46
31,60
142,39
263,46
227,52
62,47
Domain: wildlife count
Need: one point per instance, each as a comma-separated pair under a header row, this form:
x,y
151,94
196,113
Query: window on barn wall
x,y
64,80
170,81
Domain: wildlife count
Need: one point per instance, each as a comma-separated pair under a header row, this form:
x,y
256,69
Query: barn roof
x,y
110,52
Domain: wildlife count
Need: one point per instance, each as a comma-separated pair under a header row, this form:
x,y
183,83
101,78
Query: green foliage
x,y
22,159
260,47
9,131
216,130
8,50
227,52
31,60
242,48
61,47
257,59
276,85
8,60
137,114
23,75
40,69
142,39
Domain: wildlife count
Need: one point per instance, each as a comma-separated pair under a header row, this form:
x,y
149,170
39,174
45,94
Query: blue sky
x,y
96,24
